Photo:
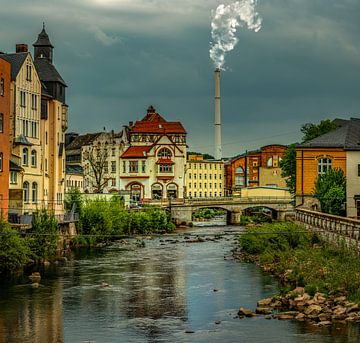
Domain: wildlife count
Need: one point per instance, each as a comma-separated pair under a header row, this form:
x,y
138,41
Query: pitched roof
x,y
22,140
153,122
136,152
47,71
346,137
16,60
74,169
82,140
43,39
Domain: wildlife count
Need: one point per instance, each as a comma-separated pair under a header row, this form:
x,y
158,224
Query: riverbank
x,y
320,282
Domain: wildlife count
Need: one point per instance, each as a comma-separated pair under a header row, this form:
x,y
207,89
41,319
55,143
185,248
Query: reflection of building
x,y
335,149
4,136
255,168
204,178
152,167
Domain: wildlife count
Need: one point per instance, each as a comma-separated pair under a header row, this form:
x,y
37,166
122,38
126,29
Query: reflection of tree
x,y
30,314
97,158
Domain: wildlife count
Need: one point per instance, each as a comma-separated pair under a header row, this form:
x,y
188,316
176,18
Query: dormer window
x,y
28,72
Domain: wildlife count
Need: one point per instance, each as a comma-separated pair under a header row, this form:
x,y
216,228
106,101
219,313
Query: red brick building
x,y
255,168
5,70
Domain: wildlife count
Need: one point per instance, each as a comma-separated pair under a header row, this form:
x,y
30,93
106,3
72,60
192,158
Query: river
x,y
167,291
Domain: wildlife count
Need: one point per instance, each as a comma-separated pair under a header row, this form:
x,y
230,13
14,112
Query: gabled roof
x,y
82,140
16,60
153,122
47,71
346,137
15,167
136,152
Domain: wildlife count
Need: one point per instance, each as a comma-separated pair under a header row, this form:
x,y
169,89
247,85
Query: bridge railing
x,y
238,199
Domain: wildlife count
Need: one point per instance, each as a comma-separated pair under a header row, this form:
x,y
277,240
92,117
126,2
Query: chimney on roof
x,y
21,48
131,123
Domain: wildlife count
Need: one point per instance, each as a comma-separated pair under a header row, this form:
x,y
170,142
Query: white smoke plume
x,y
225,20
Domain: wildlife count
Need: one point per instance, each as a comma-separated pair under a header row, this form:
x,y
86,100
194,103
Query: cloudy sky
x,y
120,56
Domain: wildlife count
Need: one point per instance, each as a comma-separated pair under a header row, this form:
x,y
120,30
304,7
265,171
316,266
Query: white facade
x,y
353,184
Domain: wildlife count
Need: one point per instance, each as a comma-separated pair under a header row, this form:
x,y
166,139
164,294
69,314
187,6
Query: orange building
x,y
331,150
255,168
5,80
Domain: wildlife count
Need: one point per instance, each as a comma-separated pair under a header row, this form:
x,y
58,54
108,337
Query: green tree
x,y
45,235
74,198
330,189
311,131
288,167
14,252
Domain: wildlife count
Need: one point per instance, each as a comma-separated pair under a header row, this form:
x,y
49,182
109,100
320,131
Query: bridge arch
x,y
227,212
261,209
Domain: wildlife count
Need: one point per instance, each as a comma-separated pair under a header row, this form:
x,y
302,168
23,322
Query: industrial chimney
x,y
218,148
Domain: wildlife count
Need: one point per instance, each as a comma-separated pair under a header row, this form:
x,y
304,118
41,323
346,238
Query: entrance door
x,y
135,193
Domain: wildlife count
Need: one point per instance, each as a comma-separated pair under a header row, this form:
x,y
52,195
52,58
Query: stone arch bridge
x,y
235,207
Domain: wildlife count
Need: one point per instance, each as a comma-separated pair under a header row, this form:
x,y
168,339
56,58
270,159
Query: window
x,y
194,194
46,137
2,87
25,156
195,176
164,153
324,164
33,158
22,99
194,184
133,167
358,169
239,170
13,177
1,122
1,161
106,167
143,167
205,176
189,175
200,185
34,129
270,162
113,182
46,164
190,185
210,185
25,127
239,181
210,176
33,101
199,176
26,191
28,72
113,166
34,192
113,152
165,168
124,166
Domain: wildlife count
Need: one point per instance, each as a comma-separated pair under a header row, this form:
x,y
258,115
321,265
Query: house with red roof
x,y
153,165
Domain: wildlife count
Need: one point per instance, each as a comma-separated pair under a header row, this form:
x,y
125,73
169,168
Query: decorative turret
x,y
43,47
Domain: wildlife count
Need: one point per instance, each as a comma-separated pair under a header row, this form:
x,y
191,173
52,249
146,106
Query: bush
x,y
14,252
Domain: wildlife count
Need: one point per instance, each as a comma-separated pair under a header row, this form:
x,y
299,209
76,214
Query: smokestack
x,y
218,148
21,48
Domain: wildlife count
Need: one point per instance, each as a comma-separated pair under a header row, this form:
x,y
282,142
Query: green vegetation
x,y
255,219
330,189
100,220
208,213
311,131
305,259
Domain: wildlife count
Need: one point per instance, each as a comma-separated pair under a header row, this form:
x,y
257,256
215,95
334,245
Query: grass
x,y
305,259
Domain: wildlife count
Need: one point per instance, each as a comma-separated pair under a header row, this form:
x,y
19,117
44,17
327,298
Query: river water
x,y
167,291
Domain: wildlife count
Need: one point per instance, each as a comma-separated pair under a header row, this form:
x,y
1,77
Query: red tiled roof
x,y
157,127
136,151
164,161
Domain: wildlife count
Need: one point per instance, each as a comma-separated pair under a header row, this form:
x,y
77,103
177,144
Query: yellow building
x,y
25,141
54,113
204,178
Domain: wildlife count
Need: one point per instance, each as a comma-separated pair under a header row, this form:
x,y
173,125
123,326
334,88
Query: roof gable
x,y
16,60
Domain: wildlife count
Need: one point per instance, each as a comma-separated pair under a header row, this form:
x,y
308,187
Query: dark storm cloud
x,y
120,56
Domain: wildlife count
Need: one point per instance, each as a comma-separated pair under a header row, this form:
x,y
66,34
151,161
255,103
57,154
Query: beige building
x,y
74,178
204,178
353,183
25,195
153,165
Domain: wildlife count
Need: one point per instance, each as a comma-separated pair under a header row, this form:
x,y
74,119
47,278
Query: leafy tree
x,y
312,131
330,189
288,167
74,198
14,252
45,229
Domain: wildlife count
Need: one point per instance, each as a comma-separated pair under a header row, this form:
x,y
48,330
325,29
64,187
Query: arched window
x,y
26,191
25,156
164,153
33,158
270,162
324,164
34,191
239,170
